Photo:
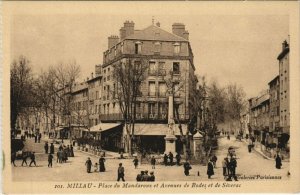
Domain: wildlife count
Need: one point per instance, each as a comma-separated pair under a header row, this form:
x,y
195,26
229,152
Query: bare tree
x,y
128,76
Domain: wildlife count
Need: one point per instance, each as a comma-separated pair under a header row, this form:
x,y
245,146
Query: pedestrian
x,y
68,150
101,164
214,160
278,162
60,156
39,138
166,159
178,158
210,169
88,164
145,177
35,138
96,167
121,172
50,158
46,147
72,151
153,161
171,158
228,136
233,165
139,176
13,158
225,165
32,157
51,148
24,158
187,167
152,177
135,162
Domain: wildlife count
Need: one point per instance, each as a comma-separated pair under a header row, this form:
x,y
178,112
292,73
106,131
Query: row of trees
x,y
45,93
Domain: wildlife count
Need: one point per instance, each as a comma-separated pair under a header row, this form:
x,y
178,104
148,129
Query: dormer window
x,y
138,47
176,48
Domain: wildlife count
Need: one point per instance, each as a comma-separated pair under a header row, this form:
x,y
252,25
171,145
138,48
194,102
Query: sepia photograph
x,y
120,96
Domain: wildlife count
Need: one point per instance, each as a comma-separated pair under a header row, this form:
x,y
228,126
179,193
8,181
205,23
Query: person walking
x,y
121,173
210,169
171,156
51,148
153,161
50,158
24,158
214,160
166,160
35,138
233,165
88,164
101,164
13,158
178,158
278,162
135,162
32,157
46,147
72,151
39,137
187,167
224,165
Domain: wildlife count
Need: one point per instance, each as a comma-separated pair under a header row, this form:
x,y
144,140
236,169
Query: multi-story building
x,y
274,104
283,59
166,53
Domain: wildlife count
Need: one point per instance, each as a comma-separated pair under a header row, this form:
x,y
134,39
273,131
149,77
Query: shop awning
x,y
103,127
156,129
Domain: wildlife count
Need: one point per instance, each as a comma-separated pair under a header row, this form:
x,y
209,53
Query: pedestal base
x,y
170,144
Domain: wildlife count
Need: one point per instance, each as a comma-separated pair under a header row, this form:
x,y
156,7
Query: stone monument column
x,y
198,147
170,136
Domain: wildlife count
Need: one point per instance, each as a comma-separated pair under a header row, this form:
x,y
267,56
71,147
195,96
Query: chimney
x,y
179,30
112,41
127,30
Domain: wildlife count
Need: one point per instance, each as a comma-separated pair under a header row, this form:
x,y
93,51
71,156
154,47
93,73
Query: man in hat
x,y
121,172
88,164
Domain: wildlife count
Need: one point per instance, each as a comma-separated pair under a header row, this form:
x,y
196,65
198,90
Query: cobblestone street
x,y
75,170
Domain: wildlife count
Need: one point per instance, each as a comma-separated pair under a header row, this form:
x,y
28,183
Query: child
x,y
96,167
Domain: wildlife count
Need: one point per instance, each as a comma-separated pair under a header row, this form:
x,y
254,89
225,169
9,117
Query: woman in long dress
x,y
101,164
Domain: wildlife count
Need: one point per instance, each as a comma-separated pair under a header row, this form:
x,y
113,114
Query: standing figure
x,y
39,138
32,157
178,158
224,165
187,168
101,164
46,147
233,165
278,162
88,164
13,158
210,169
214,160
50,158
152,177
166,159
51,148
121,172
72,151
153,161
35,138
171,158
96,167
228,136
135,162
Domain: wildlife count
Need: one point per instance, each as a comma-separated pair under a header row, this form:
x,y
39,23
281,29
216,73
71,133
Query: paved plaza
x,y
75,170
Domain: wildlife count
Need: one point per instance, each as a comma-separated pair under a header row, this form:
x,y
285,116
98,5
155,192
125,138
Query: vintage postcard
x,y
150,97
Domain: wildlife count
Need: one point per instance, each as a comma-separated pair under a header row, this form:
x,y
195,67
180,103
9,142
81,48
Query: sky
x,y
239,49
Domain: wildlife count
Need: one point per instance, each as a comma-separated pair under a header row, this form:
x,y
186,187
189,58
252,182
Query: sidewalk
x,y
262,154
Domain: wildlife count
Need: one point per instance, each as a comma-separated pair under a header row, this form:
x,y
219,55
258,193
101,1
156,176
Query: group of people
x,y
143,176
63,153
101,165
229,167
168,159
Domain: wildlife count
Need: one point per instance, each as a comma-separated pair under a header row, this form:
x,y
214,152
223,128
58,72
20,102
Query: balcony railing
x,y
141,116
